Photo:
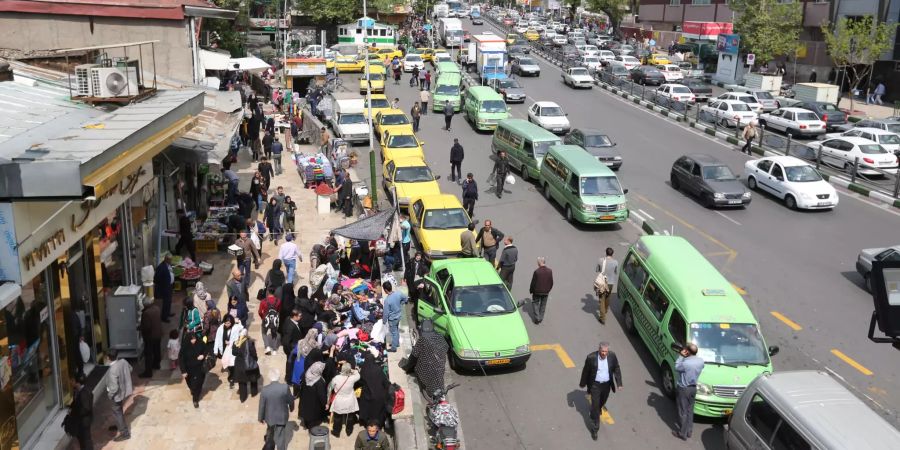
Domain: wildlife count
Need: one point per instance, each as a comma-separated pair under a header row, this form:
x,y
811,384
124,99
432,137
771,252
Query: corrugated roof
x,y
157,9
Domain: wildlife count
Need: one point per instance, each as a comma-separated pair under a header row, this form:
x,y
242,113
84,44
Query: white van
x,y
805,409
348,118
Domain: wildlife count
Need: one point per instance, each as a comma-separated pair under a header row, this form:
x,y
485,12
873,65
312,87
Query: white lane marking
x,y
634,213
728,218
647,214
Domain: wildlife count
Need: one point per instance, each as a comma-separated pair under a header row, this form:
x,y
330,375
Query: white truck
x,y
441,10
490,56
450,31
348,118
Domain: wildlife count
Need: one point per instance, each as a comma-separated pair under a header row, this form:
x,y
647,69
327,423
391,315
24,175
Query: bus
x,y
379,35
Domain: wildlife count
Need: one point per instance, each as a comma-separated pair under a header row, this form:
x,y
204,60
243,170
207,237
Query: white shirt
x,y
602,375
288,251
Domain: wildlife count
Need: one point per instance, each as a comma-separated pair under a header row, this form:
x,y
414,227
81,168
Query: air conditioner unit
x,y
114,81
83,85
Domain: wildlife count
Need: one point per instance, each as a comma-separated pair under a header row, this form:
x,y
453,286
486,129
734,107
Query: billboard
x,y
728,43
705,30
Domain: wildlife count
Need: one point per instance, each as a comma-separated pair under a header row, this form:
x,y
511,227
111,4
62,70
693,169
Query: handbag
x,y
601,285
334,394
227,357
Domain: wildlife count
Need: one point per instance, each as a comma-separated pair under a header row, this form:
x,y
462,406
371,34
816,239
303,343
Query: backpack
x,y
270,322
396,393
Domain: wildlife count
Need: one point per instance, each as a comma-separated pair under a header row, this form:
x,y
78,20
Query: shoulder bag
x,y
601,285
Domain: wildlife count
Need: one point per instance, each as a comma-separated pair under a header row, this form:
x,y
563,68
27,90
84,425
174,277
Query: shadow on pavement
x,y
855,278
577,399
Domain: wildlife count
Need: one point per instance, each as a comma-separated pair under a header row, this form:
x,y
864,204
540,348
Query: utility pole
x,y
373,191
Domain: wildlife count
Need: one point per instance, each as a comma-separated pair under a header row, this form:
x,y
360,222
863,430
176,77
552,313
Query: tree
x,y
231,33
768,28
855,44
614,9
334,11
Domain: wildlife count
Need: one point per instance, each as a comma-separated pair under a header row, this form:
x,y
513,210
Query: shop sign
x,y
9,254
264,22
706,30
728,43
306,70
68,222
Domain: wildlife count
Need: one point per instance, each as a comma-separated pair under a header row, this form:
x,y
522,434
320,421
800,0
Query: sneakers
x,y
122,437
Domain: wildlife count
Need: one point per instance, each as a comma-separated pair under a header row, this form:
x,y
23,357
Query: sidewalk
x,y
862,110
160,412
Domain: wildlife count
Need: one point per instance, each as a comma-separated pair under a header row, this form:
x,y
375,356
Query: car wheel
x,y
628,319
723,123
668,381
451,359
673,180
569,216
790,201
751,183
848,167
547,192
523,170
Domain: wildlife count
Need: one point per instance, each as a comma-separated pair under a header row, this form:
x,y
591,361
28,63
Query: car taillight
x,y
802,127
824,117
869,160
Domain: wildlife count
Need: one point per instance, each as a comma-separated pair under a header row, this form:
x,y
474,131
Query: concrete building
x,y
33,25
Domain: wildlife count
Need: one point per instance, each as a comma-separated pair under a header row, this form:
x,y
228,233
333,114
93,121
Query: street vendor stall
x,y
314,169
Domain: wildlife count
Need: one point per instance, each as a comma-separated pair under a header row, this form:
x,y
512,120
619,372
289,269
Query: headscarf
x,y
210,304
308,343
200,292
345,369
314,373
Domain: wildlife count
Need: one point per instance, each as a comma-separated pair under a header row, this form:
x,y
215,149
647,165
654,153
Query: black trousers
x,y
343,421
539,305
447,120
469,206
415,124
195,385
242,390
455,170
746,148
501,180
152,354
83,436
599,394
424,108
186,241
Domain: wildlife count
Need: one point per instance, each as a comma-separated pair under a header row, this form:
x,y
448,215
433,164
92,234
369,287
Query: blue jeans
x,y
394,327
291,266
244,266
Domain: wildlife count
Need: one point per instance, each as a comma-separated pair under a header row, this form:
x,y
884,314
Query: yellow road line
x,y
560,353
605,416
851,362
740,290
794,325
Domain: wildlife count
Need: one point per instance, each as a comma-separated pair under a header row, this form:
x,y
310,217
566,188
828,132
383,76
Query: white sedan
x,y
793,122
728,113
578,77
630,62
749,99
791,180
560,39
844,151
890,141
671,71
550,116
411,61
591,62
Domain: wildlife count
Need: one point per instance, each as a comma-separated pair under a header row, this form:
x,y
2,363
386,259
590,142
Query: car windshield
x,y
552,111
827,107
507,83
681,90
600,186
413,175
380,103
445,219
348,119
889,139
807,116
394,119
717,173
764,95
745,98
802,174
630,59
376,76
579,72
446,89
740,107
403,141
597,140
526,62
590,59
893,127
493,106
414,58
654,72
872,149
481,300
729,343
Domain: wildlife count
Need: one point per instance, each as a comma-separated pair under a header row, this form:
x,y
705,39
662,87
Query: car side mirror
x,y
437,177
520,304
625,191
773,350
615,144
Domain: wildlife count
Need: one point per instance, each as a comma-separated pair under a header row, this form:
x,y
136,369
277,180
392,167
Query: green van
x,y
446,88
484,107
446,67
672,295
586,188
473,309
525,143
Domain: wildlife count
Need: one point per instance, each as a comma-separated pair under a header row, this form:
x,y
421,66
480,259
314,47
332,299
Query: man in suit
x,y
275,404
163,281
601,374
81,414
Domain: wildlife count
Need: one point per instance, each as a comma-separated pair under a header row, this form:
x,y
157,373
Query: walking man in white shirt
x,y
289,254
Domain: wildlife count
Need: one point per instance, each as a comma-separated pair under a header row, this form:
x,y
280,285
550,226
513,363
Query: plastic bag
x,y
510,179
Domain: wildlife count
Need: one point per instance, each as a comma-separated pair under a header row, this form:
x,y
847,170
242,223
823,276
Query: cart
x,y
339,152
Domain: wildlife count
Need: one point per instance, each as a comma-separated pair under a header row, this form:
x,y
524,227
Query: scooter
x,y
443,418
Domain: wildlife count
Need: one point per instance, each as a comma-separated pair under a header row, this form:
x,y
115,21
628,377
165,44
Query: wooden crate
x,y
206,245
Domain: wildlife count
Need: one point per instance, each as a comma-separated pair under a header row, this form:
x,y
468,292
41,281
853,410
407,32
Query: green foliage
x,y
614,9
768,28
855,45
230,32
333,11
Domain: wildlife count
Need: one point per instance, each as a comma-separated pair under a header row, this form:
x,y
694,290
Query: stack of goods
x,y
214,228
314,169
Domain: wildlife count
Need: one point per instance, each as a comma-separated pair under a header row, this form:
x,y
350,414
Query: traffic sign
x,y
751,59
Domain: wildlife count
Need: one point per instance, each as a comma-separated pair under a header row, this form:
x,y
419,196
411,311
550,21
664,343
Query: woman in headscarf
x,y
225,335
193,321
246,365
238,310
192,365
275,278
343,406
373,401
307,310
428,357
201,295
308,343
272,216
288,302
212,319
313,397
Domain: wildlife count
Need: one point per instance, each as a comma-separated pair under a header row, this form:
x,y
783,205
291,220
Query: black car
x,y
710,180
827,112
597,144
569,52
647,75
519,48
701,89
477,21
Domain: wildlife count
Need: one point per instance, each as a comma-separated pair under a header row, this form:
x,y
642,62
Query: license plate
x,y
557,129
734,202
607,217
727,412
823,204
496,362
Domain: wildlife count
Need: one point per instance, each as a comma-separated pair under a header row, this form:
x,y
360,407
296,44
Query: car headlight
x,y
746,194
467,353
704,389
806,196
617,158
621,207
523,349
588,208
719,195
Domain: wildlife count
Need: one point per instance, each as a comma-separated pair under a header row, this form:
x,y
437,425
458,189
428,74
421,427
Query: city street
x,y
795,269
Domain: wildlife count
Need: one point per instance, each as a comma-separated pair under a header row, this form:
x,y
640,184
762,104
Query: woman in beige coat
x,y
343,405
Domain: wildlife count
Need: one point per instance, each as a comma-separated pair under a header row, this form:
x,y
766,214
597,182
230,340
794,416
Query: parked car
x,y
702,90
597,144
846,150
749,99
791,180
510,89
676,92
710,180
559,40
591,62
671,71
617,71
890,141
655,59
549,116
630,62
728,113
606,56
577,77
892,125
827,112
867,256
647,75
526,66
523,49
793,122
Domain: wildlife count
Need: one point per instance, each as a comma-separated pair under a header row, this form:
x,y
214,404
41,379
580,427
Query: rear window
x,y
807,116
889,139
764,95
872,149
828,107
681,90
740,107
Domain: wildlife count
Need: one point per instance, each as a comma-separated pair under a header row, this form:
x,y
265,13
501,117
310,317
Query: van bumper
x,y
713,406
600,218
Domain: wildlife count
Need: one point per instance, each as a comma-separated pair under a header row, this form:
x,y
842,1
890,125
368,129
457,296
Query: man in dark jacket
x,y
456,159
265,168
489,239
185,235
275,406
277,149
507,262
267,145
541,284
500,171
601,374
448,114
163,280
469,194
81,414
151,331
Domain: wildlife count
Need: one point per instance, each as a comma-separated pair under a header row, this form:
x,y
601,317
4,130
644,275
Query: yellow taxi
x,y
437,221
427,53
379,103
387,54
411,177
392,121
376,79
657,58
347,64
401,145
532,35
511,37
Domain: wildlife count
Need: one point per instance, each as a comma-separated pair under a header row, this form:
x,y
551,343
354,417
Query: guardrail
x,y
883,182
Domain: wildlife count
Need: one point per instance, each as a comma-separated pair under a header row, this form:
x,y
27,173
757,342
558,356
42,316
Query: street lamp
x,y
368,25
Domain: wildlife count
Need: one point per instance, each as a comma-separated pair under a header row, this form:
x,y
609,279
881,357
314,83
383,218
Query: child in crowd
x,y
173,347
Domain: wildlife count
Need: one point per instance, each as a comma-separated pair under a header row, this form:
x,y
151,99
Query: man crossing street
x,y
469,194
601,374
541,284
456,158
507,262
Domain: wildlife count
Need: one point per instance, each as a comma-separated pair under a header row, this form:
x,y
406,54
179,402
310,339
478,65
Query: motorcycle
x,y
443,418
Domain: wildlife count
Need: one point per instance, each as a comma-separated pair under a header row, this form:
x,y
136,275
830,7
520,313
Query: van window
x,y
573,184
493,106
541,148
634,271
729,343
766,422
677,327
656,300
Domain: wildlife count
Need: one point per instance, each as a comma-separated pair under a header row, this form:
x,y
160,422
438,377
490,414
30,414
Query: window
x,y
695,171
381,32
656,300
573,184
764,166
358,31
634,271
701,2
390,169
428,293
787,438
417,210
442,276
762,418
677,327
777,172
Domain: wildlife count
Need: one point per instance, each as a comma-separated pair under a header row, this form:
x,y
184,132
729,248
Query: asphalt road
x,y
795,269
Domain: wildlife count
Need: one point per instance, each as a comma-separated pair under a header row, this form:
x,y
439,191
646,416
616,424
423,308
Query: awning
x,y
250,64
211,60
369,229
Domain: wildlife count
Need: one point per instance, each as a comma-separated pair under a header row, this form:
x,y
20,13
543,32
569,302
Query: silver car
x,y
865,258
525,66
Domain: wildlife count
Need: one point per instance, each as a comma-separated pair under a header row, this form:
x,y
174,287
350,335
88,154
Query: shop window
x,y
112,254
